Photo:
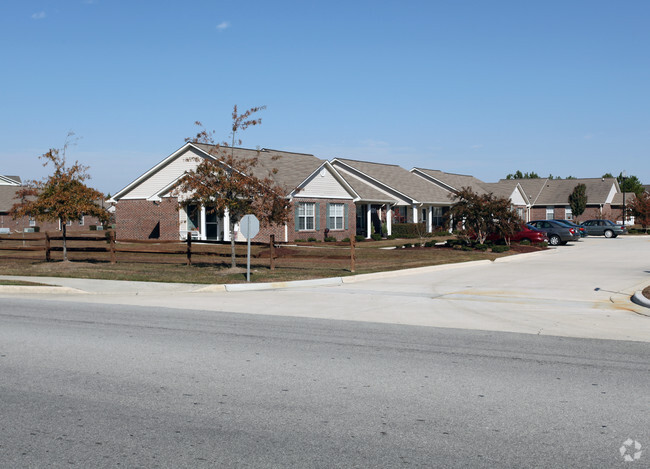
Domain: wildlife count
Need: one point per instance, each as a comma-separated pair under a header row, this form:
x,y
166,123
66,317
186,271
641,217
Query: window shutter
x,y
345,216
317,216
327,217
296,218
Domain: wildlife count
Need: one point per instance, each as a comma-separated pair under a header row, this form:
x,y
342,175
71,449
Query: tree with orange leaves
x,y
226,183
640,208
62,196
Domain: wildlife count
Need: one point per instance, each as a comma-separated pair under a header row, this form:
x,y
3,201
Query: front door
x,y
211,225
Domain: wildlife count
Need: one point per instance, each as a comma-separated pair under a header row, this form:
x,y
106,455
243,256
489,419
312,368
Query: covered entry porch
x,y
204,223
380,217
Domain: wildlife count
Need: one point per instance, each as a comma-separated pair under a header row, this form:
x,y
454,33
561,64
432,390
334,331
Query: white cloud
x,y
39,15
223,25
588,137
476,147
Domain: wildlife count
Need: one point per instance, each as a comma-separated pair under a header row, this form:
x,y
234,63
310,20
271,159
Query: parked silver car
x,y
606,228
558,233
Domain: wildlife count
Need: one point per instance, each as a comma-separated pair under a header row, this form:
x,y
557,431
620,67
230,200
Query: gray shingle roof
x,y
401,180
292,168
366,192
557,191
7,194
618,198
543,191
504,188
455,181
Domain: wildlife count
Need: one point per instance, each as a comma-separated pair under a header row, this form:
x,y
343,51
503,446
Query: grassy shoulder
x,y
212,265
21,283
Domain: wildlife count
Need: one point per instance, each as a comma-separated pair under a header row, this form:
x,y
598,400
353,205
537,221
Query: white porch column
x,y
203,227
226,225
430,220
389,219
368,221
415,213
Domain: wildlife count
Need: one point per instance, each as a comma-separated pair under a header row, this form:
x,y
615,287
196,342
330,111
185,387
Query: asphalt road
x,y
94,385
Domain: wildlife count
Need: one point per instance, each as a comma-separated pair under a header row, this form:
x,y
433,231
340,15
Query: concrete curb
x,y
319,282
518,257
640,299
416,270
36,289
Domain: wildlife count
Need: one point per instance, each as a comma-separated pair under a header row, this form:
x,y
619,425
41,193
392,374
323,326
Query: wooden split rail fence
x,y
188,247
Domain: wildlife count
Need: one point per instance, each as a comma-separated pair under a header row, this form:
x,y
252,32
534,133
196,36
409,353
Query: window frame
x,y
336,220
304,217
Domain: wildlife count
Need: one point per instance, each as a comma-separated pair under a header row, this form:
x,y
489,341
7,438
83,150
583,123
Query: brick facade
x,y
591,212
20,224
319,234
143,219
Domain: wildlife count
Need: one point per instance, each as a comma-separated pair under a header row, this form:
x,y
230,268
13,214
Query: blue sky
x,y
471,87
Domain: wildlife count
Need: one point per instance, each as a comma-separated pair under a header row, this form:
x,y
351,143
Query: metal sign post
x,y
249,227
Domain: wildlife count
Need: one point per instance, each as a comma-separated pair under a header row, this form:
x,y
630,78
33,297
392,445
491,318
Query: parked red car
x,y
524,233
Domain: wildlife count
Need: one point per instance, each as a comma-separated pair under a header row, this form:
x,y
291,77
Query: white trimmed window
x,y
520,212
336,216
81,221
550,212
306,216
32,222
568,213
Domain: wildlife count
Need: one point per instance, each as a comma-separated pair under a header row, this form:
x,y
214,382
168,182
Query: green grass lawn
x,y
211,263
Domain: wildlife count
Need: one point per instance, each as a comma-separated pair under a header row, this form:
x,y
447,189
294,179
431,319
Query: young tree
x,y
578,200
62,196
483,214
228,183
640,208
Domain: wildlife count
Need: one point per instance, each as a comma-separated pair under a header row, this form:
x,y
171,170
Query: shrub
x,y
408,245
376,237
345,240
500,249
524,242
311,239
481,247
430,244
408,230
390,236
330,239
359,237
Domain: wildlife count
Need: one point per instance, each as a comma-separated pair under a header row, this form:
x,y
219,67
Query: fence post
x,y
189,249
111,246
47,248
353,257
272,252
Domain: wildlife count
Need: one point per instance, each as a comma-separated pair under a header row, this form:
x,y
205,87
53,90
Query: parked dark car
x,y
557,233
606,228
580,229
523,233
